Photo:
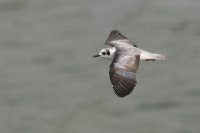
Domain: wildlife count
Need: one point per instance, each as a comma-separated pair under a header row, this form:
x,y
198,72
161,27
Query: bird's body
x,y
144,55
125,62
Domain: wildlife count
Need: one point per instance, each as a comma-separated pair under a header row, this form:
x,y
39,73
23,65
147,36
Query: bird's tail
x,y
147,56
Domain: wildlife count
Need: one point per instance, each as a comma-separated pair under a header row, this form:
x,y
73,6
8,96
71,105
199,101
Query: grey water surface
x,y
49,82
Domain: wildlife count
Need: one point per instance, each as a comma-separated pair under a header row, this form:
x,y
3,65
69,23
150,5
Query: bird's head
x,y
106,53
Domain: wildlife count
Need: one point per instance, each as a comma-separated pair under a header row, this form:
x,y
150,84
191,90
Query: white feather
x,y
151,56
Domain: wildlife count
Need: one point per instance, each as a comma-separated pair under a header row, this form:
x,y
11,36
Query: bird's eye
x,y
104,53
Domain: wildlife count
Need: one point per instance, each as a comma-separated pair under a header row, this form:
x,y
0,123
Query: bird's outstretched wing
x,y
116,38
123,74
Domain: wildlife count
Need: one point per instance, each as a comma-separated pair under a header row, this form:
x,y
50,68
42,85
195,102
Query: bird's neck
x,y
112,50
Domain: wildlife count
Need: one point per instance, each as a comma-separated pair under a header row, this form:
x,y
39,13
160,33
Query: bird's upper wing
x,y
116,39
123,74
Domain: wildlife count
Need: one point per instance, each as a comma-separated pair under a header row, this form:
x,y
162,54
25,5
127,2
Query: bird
x,y
126,57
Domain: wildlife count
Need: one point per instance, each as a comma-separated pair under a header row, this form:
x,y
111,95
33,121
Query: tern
x,y
125,57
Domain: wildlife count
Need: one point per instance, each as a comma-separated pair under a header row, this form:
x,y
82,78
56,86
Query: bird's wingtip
x,y
115,35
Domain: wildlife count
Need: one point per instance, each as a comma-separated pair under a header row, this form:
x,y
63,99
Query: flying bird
x,y
125,57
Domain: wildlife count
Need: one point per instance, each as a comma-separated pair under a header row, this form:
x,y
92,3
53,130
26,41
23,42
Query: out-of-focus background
x,y
49,82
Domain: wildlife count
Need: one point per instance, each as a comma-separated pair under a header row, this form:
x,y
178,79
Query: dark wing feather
x,y
116,35
124,80
122,85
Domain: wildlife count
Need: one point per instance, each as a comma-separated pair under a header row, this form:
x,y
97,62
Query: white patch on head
x,y
112,50
107,53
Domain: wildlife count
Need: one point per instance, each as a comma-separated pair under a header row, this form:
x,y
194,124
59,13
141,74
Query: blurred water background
x,y
49,82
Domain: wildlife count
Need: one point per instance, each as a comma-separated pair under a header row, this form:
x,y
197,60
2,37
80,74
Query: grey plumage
x,y
124,65
115,35
125,57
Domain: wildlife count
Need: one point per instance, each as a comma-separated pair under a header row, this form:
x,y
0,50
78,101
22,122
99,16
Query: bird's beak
x,y
97,55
